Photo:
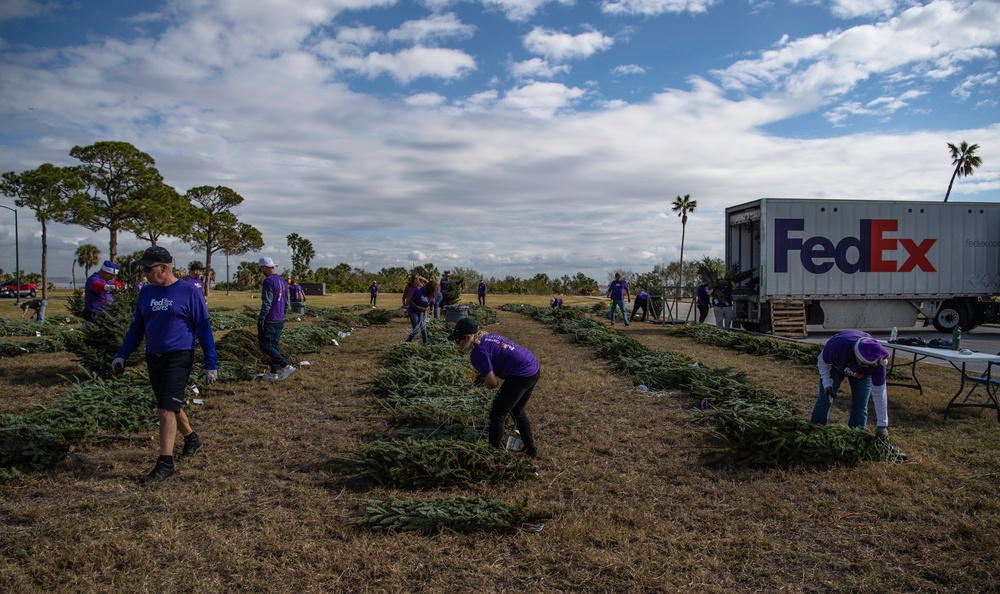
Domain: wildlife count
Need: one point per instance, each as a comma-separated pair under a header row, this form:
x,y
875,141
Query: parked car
x,y
26,289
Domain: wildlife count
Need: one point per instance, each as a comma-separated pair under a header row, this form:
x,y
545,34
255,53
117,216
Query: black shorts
x,y
168,374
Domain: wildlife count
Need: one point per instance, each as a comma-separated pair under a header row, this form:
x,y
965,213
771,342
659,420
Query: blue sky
x,y
515,136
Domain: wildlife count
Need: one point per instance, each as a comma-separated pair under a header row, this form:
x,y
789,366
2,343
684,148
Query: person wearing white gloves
x,y
170,315
99,289
857,356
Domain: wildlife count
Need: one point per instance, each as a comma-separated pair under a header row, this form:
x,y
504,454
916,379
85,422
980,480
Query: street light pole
x,y
17,258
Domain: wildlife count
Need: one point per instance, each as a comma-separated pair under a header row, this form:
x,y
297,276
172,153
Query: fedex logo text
x,y
819,254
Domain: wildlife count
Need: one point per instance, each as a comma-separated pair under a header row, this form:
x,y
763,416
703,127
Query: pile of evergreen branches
x,y
459,514
751,427
42,438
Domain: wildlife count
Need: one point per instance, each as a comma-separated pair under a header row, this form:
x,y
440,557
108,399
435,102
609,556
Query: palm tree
x,y
682,206
87,256
965,160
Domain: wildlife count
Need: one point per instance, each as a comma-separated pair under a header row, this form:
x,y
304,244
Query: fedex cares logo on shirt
x,y
875,249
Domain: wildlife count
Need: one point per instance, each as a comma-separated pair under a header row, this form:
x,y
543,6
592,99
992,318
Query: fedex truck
x,y
863,264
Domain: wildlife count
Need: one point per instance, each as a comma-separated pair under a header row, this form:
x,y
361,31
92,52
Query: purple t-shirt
x,y
504,358
273,299
617,289
170,319
94,297
839,353
196,282
420,298
373,290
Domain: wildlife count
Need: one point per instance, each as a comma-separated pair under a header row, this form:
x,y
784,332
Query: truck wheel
x,y
31,294
951,314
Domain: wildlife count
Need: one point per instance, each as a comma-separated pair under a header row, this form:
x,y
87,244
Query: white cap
x,y
266,262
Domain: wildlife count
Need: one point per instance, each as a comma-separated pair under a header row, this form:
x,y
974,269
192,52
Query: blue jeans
x,y
620,304
269,338
437,304
861,391
419,322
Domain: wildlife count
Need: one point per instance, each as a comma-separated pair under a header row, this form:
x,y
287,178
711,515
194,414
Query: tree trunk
x,y
683,228
113,247
72,272
208,271
45,261
948,193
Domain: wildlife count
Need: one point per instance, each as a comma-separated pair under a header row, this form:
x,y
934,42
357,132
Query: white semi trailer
x,y
864,264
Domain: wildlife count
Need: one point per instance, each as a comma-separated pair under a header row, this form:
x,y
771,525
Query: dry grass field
x,y
634,509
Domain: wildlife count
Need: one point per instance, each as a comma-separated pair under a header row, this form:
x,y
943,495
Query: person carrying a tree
x,y
497,358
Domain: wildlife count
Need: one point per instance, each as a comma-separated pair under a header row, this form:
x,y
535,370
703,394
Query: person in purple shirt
x,y
704,301
555,302
618,292
170,315
854,355
419,301
373,290
271,321
496,358
641,302
97,293
194,277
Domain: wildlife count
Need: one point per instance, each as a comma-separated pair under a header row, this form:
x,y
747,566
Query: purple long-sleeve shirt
x,y
171,318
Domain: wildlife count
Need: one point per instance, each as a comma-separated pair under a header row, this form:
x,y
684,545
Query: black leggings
x,y
512,398
637,305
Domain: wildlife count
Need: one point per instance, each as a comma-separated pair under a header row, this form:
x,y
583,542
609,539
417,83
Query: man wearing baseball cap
x,y
857,356
170,314
271,321
194,277
97,292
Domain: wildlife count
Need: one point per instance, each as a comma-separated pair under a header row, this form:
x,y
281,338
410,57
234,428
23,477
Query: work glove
x,y
110,288
118,365
479,382
830,395
210,375
882,434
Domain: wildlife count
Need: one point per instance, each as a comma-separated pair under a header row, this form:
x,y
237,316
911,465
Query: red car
x,y
26,289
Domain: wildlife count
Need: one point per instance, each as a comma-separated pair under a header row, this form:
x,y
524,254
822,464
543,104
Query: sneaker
x,y
286,372
271,377
192,443
160,473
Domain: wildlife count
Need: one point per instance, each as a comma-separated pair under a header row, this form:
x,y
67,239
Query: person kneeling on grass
x,y
170,314
496,358
857,356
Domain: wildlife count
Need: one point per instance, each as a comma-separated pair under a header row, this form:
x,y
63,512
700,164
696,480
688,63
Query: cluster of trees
x,y
117,187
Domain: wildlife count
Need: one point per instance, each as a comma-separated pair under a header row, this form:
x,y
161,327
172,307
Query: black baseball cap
x,y
464,327
155,255
197,267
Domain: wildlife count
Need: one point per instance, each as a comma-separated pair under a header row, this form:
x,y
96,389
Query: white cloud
x,y
560,47
818,68
551,185
541,99
849,9
656,7
537,68
425,100
432,29
521,10
988,81
411,63
20,9
629,69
